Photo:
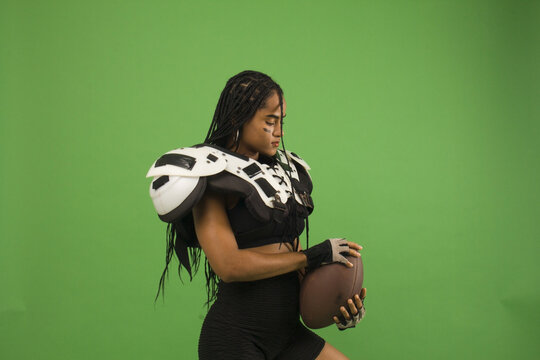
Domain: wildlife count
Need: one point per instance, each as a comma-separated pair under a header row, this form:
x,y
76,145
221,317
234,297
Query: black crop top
x,y
250,232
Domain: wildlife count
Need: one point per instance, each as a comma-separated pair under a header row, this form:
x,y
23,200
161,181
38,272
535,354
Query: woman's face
x,y
262,134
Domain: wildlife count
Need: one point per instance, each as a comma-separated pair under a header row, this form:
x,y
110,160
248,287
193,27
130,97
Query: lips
x,y
275,143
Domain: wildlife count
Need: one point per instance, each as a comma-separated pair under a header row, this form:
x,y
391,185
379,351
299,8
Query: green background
x,y
420,120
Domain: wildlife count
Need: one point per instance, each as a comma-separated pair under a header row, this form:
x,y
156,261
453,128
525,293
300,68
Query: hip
x,y
268,303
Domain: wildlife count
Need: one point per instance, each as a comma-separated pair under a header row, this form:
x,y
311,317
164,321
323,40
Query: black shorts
x,y
258,320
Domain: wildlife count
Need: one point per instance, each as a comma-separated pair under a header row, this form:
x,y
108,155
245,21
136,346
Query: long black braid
x,y
242,96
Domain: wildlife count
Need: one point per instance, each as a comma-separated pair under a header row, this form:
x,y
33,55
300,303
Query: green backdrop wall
x,y
420,120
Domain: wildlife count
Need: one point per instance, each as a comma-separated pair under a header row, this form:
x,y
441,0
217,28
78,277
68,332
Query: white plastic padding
x,y
202,167
299,160
170,195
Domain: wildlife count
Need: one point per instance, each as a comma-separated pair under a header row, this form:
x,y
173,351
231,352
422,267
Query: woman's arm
x,y
219,245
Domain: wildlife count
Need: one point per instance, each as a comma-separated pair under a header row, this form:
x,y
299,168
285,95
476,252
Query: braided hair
x,y
243,95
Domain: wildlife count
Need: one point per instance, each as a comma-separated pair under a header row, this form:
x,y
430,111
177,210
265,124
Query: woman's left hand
x,y
356,312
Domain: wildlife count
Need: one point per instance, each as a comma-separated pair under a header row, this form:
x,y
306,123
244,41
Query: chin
x,y
269,153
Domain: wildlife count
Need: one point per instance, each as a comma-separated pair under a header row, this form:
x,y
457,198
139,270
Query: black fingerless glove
x,y
327,252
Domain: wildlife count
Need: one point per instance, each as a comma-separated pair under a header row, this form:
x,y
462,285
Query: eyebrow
x,y
275,116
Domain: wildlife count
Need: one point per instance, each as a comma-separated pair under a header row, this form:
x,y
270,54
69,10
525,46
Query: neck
x,y
244,151
250,154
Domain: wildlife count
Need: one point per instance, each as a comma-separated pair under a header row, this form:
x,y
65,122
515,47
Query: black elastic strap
x,y
180,160
159,182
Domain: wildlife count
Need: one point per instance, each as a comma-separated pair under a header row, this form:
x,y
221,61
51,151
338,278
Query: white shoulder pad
x,y
173,196
298,159
190,162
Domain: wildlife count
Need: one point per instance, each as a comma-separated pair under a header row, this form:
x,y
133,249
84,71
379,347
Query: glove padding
x,y
355,319
328,252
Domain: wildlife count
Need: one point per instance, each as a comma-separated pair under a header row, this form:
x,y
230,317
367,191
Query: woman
x,y
247,216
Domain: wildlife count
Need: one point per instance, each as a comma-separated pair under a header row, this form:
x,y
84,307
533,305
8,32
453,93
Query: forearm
x,y
248,265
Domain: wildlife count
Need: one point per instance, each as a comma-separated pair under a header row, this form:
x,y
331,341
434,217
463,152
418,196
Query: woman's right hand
x,y
331,251
356,312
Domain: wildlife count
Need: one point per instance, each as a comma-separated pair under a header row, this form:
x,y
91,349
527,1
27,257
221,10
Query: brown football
x,y
327,288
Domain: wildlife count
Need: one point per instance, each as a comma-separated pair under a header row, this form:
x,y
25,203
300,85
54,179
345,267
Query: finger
x,y
358,301
354,253
363,293
336,320
354,245
342,259
352,307
345,313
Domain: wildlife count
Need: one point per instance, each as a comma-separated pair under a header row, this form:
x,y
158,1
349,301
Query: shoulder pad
x,y
180,178
292,156
190,162
175,196
298,160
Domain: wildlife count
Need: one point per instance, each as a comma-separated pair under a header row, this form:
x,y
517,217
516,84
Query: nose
x,y
278,131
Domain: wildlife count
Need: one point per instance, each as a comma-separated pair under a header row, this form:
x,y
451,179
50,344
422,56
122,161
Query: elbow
x,y
229,273
236,266
227,276
224,272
